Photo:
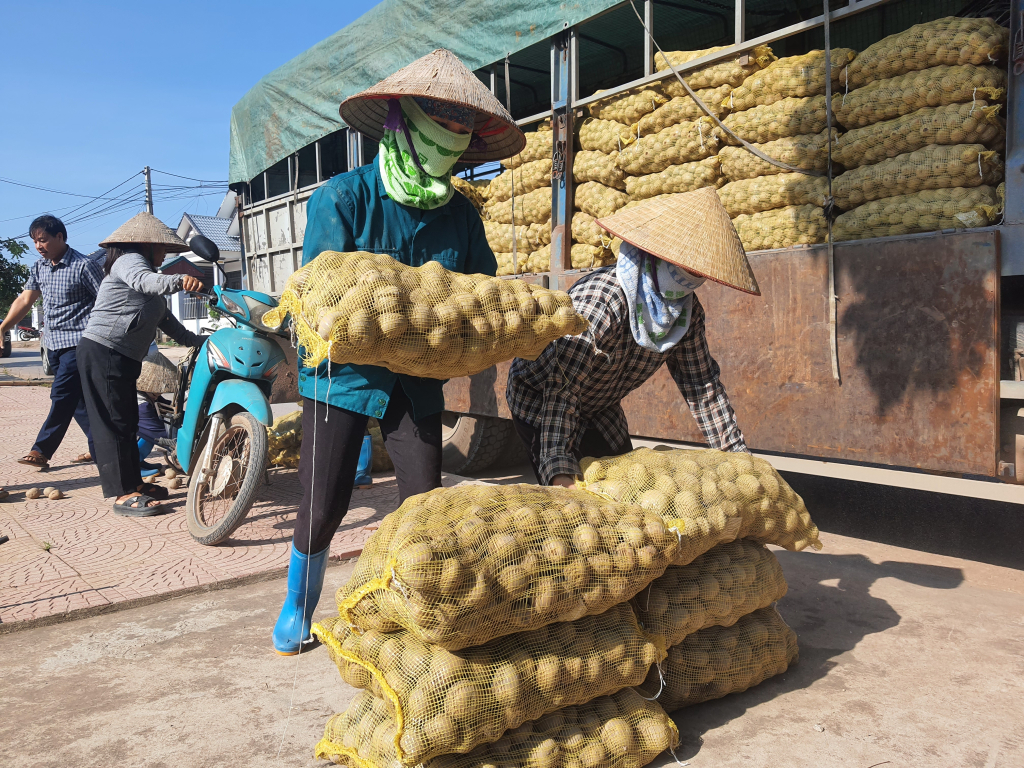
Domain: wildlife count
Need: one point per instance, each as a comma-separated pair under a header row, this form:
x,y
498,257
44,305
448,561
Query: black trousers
x,y
592,443
331,438
108,383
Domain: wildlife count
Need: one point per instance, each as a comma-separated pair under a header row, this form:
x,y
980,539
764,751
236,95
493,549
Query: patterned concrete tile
x,y
24,561
10,528
155,579
125,555
48,598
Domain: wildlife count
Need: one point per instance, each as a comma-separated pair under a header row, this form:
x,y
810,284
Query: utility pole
x,y
149,190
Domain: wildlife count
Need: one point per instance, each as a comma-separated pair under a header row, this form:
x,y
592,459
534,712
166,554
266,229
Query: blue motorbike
x,y
222,408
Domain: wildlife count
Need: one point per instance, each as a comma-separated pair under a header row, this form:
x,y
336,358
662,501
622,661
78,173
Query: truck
x,y
892,362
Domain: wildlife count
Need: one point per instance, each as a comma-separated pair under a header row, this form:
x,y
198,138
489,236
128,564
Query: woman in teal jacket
x,y
427,116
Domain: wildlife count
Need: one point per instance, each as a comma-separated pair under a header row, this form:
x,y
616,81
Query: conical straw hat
x,y
691,229
145,228
158,375
439,75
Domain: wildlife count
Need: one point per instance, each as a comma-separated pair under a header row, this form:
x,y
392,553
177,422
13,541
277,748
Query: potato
x,y
681,143
790,116
782,227
683,109
676,178
725,72
927,211
792,76
808,152
33,493
599,200
528,177
765,193
629,107
54,495
605,136
538,146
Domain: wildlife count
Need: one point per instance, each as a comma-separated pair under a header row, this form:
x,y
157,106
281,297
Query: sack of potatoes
x,y
591,256
538,147
532,208
461,566
528,177
717,589
475,190
682,109
934,167
952,124
934,87
627,107
539,260
677,144
506,266
586,231
676,178
731,72
590,165
950,41
598,200
792,76
929,211
528,238
284,437
605,136
791,116
483,691
709,496
782,228
765,193
807,152
370,309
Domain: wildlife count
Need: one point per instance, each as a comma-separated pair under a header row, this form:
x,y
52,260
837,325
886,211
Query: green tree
x,y
13,273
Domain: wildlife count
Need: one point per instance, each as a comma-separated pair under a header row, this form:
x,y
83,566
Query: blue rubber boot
x,y
145,448
292,626
363,477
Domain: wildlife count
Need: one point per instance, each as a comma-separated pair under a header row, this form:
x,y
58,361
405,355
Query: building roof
x,y
216,229
180,265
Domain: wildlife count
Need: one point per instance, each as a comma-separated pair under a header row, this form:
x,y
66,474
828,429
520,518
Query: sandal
x,y
157,492
137,506
35,459
84,458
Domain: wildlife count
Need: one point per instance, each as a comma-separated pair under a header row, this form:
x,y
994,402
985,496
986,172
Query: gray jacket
x,y
130,307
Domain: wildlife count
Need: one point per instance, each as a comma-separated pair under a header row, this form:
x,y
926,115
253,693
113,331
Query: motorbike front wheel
x,y
217,504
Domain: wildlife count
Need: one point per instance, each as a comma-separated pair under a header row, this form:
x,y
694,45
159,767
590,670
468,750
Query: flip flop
x,y
83,458
34,459
157,492
137,506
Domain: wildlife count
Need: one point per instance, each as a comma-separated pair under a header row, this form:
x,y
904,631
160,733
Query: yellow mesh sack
x,y
935,87
461,566
949,41
807,152
786,117
590,165
976,123
491,688
603,135
586,231
676,178
782,228
928,211
599,200
716,661
499,236
505,264
369,309
528,177
717,589
934,167
710,496
678,144
591,256
683,109
618,731
765,193
538,147
629,107
474,190
792,76
539,260
714,75
532,208
284,437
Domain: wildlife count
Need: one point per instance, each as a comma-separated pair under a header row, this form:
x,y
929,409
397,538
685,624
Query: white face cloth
x,y
659,296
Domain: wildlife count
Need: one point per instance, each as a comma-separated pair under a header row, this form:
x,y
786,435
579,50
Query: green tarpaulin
x,y
298,103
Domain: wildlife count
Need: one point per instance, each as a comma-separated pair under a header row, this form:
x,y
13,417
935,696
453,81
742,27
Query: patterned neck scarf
x,y
417,156
659,296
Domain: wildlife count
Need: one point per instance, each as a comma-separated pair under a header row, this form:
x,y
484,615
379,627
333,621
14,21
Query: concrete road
x,y
24,363
906,659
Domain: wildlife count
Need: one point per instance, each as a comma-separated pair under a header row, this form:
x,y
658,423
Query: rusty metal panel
x,y
482,394
918,341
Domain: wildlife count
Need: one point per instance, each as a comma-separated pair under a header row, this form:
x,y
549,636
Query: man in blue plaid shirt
x,y
68,283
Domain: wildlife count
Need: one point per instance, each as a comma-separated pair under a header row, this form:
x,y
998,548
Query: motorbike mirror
x,y
204,248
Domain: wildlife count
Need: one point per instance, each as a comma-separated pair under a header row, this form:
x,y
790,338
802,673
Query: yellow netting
x,y
718,588
717,661
934,167
369,309
782,227
499,236
591,256
976,123
712,496
532,208
528,177
765,193
504,260
284,438
787,117
903,94
603,135
807,152
586,231
628,107
677,144
618,731
538,146
792,76
928,211
682,109
599,200
491,688
676,178
714,75
461,566
590,165
474,190
539,260
949,41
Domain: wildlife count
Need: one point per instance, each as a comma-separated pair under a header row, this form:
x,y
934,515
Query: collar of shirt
x,y
64,258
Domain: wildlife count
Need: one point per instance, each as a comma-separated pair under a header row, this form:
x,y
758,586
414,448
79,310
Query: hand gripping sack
x,y
765,193
485,690
929,211
782,228
461,566
366,308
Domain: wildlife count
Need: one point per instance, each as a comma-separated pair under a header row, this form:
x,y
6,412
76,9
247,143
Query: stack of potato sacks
x,y
528,627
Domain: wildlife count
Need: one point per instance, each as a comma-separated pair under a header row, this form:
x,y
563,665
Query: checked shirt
x,y
578,382
69,290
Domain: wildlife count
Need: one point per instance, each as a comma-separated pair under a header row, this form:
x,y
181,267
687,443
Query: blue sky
x,y
91,92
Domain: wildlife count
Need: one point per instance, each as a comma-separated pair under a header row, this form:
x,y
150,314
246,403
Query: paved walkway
x,y
75,554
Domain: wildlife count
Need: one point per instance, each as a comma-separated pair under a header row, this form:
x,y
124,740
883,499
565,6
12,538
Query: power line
x,y
47,189
207,181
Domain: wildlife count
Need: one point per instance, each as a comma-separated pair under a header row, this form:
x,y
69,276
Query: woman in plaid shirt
x,y
643,314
